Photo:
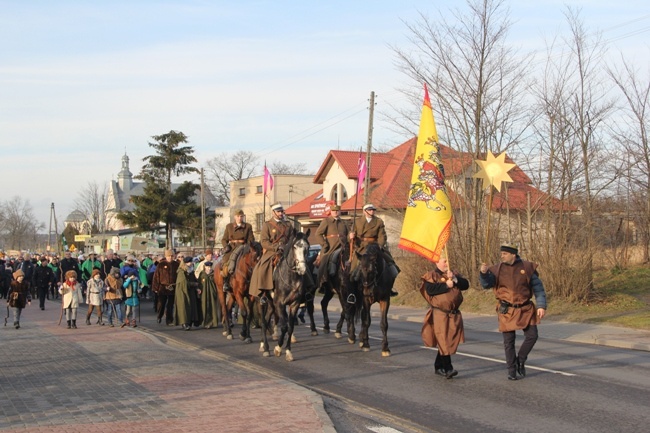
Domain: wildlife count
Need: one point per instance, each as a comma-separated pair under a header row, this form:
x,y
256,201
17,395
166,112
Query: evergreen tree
x,y
160,202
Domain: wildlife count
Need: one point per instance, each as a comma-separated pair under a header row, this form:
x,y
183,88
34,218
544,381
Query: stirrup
x,y
352,299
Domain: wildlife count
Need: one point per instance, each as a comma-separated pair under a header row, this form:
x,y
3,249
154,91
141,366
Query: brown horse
x,y
375,283
239,282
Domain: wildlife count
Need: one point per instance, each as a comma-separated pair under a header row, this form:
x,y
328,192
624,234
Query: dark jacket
x,y
43,277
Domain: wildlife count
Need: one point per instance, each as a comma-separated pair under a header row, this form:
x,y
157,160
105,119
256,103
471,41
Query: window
x,y
259,189
259,220
334,193
242,192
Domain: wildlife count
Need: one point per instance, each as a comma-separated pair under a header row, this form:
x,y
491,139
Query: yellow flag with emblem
x,y
427,222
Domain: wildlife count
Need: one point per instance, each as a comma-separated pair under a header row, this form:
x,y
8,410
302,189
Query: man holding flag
x,y
426,230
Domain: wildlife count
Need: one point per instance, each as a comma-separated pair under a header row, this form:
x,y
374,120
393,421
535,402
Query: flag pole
x,y
487,229
264,193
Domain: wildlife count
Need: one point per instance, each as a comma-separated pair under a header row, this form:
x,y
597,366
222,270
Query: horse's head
x,y
368,264
296,254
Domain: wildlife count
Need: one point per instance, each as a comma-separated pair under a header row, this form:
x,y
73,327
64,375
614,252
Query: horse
x,y
289,291
239,282
375,283
340,284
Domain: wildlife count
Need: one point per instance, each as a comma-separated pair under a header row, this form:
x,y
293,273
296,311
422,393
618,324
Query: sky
x,y
84,82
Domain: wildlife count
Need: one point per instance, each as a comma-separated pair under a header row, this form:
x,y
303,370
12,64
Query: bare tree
x,y
631,133
477,83
279,167
18,224
91,202
225,168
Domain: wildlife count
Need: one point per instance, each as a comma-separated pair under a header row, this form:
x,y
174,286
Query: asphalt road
x,y
570,387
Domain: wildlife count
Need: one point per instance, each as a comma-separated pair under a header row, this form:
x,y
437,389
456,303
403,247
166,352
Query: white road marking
x,y
381,429
500,361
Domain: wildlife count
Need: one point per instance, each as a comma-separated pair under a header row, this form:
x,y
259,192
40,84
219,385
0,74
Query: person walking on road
x,y
18,296
95,296
163,284
209,300
187,313
443,323
113,297
132,288
71,292
515,281
42,280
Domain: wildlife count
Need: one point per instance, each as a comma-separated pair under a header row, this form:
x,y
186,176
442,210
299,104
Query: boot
x,y
74,324
100,321
69,327
133,323
88,319
17,325
226,286
126,323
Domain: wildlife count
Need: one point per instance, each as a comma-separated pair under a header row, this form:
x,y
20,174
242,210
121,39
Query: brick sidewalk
x,y
102,379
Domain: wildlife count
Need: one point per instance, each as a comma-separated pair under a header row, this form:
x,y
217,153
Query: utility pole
x,y
203,227
366,186
56,232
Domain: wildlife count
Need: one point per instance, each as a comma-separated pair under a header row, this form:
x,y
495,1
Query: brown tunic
x,y
513,286
443,323
164,279
236,236
273,234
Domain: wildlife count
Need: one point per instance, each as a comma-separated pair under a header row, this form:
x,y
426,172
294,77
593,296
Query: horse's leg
x,y
262,311
323,305
385,305
293,310
312,323
281,324
364,343
244,310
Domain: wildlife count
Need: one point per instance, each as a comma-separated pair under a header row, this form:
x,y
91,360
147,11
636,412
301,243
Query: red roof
x,y
391,177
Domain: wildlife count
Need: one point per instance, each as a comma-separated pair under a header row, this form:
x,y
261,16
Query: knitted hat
x,y
18,273
95,272
70,274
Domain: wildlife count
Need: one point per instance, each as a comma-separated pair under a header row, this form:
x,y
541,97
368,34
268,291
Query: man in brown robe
x,y
443,323
333,231
515,281
235,236
163,285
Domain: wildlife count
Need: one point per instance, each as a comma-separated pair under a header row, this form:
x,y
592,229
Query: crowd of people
x,y
110,285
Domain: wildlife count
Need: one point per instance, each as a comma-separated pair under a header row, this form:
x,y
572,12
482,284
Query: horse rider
x,y
274,234
235,236
334,231
367,230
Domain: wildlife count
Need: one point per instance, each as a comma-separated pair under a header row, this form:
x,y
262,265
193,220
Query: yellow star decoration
x,y
494,170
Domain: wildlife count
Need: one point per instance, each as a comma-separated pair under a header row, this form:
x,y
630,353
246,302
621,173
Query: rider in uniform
x,y
273,236
367,230
235,236
334,231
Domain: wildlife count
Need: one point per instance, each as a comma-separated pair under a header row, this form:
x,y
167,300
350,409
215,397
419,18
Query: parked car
x,y
311,256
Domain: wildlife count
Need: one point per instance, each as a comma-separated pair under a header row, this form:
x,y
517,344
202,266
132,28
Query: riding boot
x,y
69,326
226,286
74,324
88,319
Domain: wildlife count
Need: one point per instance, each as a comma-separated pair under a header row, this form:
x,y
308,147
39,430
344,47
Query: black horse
x,y
351,301
375,283
289,291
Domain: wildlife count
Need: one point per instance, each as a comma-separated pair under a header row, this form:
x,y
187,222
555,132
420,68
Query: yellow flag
x,y
427,222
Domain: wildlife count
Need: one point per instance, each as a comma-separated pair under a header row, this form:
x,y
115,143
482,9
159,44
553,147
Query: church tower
x,y
125,177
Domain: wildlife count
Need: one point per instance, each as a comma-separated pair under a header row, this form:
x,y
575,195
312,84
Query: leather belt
x,y
368,239
334,236
237,241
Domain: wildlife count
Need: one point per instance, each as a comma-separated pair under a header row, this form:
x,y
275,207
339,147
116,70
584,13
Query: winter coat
x,y
43,277
95,292
186,311
18,294
273,234
134,284
72,296
209,300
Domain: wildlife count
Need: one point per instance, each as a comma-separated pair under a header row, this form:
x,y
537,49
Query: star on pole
x,y
494,170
